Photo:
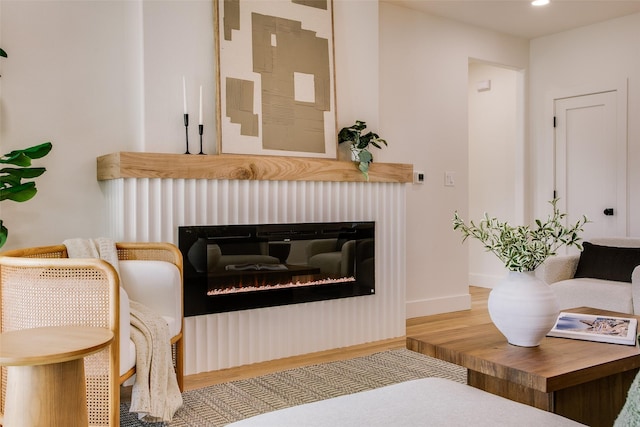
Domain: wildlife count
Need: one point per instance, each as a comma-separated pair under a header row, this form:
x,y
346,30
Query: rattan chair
x,y
43,287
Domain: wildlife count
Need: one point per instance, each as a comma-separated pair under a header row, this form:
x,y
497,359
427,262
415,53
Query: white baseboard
x,y
484,280
427,307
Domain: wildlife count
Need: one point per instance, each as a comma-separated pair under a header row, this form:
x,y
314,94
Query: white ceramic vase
x,y
355,154
523,308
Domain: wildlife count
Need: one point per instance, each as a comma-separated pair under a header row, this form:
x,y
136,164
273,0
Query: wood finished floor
x,y
477,314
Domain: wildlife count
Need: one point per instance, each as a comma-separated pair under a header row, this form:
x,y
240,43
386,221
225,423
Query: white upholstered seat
x,y
425,402
156,284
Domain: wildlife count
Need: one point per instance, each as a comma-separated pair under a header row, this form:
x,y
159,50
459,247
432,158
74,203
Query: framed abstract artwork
x,y
275,85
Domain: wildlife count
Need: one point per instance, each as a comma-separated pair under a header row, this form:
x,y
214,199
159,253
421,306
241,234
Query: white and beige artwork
x,y
276,81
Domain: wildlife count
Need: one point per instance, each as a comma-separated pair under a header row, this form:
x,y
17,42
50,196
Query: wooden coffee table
x,y
582,380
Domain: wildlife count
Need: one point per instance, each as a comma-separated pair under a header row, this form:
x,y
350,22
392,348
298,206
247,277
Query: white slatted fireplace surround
x,y
152,209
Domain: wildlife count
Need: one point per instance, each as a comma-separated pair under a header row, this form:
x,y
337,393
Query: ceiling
x,y
519,18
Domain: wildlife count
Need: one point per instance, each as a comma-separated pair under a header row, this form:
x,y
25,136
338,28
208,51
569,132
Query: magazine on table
x,y
593,327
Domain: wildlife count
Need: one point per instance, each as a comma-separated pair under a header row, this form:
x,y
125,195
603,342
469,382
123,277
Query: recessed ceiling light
x,y
539,2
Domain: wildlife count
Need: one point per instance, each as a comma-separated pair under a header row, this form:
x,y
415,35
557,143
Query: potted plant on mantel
x,y
522,306
360,144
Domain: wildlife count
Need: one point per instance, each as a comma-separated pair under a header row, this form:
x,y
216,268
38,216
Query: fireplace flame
x,y
263,286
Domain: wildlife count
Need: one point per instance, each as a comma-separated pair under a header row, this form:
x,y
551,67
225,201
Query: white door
x,y
591,162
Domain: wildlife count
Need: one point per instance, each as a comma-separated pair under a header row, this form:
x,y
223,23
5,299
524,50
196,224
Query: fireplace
x,y
150,195
240,267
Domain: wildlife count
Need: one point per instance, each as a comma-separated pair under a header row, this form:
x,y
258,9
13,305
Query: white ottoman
x,y
429,401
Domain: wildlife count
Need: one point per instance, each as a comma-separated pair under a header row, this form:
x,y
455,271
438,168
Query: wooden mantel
x,y
231,166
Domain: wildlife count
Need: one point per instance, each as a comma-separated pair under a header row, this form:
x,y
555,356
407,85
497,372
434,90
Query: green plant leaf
x,y
9,180
38,151
11,185
360,125
17,158
24,173
365,156
4,233
522,248
364,168
346,134
19,193
24,157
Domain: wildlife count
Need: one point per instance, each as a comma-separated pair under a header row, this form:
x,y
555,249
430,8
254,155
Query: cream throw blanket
x,y
155,395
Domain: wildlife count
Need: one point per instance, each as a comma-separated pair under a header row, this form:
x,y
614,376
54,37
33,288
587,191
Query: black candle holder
x,y
200,129
186,131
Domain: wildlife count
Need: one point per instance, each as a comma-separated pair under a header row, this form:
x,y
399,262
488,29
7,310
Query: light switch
x,y
449,179
418,177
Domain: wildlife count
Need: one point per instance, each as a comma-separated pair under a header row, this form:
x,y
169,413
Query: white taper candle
x,y
200,121
184,94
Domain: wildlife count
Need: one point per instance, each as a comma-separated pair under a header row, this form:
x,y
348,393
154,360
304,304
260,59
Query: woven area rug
x,y
222,404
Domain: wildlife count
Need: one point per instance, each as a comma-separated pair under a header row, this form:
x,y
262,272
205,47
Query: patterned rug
x,y
222,404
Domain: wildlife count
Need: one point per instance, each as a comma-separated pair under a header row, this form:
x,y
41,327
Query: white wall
x,y
96,77
597,57
177,41
423,112
357,71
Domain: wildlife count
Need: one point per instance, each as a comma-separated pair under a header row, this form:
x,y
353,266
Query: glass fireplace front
x,y
239,267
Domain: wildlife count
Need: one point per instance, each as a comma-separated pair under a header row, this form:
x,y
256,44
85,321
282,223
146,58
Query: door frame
x,y
489,277
621,88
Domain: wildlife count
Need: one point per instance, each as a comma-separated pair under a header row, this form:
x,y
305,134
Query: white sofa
x,y
424,402
597,292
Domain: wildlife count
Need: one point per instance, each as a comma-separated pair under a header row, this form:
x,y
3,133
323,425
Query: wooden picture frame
x,y
275,78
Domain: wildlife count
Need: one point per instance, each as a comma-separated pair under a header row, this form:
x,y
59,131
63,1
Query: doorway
x,y
496,157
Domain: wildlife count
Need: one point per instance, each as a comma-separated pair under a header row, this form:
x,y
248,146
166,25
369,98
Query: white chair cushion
x,y
127,349
157,285
174,325
127,357
596,293
425,402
